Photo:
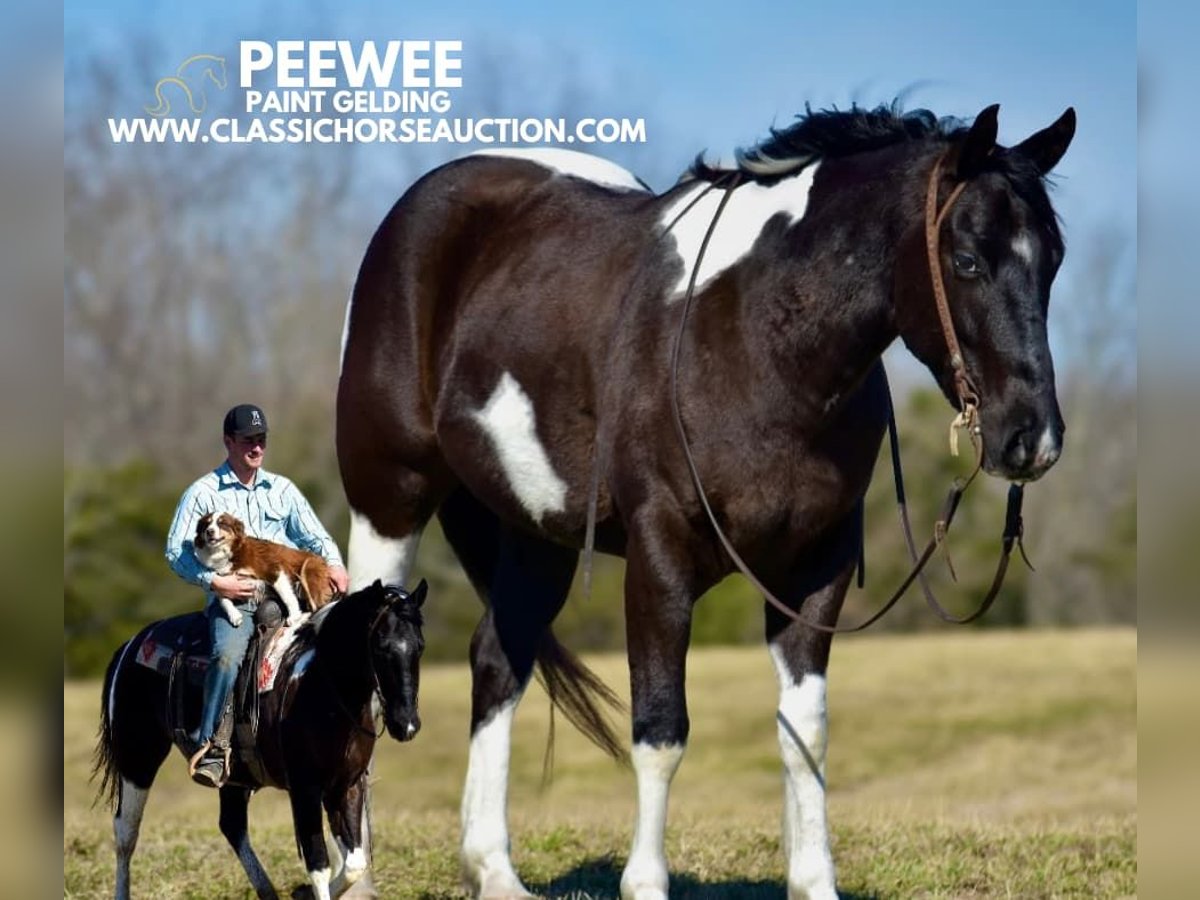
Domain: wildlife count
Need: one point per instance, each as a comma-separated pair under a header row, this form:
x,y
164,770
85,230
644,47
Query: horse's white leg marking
x,y
747,211
126,823
802,742
487,868
348,866
320,883
355,865
283,587
508,420
374,556
645,875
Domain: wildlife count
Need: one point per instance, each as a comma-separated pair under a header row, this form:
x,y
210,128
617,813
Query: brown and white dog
x,y
221,545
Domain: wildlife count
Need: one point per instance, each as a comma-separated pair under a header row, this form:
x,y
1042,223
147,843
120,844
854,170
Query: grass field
x,y
960,765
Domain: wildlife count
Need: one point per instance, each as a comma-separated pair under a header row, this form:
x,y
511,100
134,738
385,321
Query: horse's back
x,y
491,276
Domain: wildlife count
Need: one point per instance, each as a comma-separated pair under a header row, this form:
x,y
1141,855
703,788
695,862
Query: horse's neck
x,y
824,324
342,653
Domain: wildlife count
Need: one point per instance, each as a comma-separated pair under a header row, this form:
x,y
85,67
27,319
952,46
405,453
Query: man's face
x,y
247,451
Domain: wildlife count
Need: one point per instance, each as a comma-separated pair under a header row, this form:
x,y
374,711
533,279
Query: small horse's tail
x,y
575,689
104,760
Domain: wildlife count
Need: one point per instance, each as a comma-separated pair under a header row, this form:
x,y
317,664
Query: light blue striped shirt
x,y
272,508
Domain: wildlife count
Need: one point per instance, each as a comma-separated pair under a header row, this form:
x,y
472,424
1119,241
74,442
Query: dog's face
x,y
217,530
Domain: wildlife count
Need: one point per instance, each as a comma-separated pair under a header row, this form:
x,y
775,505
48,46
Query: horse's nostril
x,y
1019,449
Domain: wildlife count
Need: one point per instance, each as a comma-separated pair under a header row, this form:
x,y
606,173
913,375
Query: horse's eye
x,y
966,264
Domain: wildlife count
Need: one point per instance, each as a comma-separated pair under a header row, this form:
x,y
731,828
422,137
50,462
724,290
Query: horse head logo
x,y
192,71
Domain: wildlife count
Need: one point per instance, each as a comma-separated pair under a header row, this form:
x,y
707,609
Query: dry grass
x,y
961,765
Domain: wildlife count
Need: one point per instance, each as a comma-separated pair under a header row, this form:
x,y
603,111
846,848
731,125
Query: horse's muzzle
x,y
1026,453
403,728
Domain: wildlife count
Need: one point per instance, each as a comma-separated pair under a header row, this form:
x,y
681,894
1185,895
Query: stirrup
x,y
195,759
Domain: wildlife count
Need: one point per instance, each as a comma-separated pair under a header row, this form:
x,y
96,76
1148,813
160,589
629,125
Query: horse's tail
x,y
575,689
104,760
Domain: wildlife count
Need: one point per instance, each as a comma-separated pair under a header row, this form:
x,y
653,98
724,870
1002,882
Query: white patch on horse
x,y
320,883
802,745
571,162
509,421
351,868
645,876
131,803
747,212
1048,448
1022,247
485,847
373,556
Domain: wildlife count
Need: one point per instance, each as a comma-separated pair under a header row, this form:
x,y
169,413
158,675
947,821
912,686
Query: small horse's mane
x,y
409,611
827,133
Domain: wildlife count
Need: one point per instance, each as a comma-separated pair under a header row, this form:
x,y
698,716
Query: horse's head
x,y
396,645
999,248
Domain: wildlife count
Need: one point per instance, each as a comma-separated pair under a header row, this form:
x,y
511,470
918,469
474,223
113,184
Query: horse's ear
x,y
1047,147
978,144
419,592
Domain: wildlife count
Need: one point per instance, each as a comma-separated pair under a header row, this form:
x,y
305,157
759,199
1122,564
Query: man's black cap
x,y
245,419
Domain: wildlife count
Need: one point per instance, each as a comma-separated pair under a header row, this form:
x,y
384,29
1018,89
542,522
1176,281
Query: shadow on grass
x,y
601,877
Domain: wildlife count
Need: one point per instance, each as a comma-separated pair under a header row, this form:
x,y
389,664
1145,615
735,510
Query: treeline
x,y
201,276
117,579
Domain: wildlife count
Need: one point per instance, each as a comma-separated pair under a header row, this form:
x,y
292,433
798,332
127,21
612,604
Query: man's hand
x,y
234,587
339,578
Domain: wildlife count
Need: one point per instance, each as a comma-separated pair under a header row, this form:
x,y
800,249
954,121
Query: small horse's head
x,y
999,248
396,645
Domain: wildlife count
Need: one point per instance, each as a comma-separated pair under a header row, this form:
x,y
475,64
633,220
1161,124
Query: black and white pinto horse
x,y
510,333
315,734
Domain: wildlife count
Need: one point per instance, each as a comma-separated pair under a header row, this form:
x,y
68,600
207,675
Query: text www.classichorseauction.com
x,y
328,91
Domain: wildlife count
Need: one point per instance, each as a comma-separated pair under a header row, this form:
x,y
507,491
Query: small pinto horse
x,y
537,299
315,732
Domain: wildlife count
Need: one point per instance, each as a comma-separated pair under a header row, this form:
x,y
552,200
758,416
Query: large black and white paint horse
x,y
512,327
315,736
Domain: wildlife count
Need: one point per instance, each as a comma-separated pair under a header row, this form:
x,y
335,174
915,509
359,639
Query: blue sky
x,y
714,76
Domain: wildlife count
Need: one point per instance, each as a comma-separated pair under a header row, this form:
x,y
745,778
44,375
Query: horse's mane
x,y
307,634
826,133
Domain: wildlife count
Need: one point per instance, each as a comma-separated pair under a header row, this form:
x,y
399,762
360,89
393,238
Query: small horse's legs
x,y
345,821
528,584
658,607
310,835
126,824
234,802
801,657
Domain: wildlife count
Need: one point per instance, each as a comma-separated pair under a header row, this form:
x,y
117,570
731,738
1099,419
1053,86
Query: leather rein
x,y
967,418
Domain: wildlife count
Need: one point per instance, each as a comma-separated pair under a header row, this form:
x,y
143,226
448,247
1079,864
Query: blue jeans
x,y
228,650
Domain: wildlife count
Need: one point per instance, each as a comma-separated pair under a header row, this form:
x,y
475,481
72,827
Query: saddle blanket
x,y
188,635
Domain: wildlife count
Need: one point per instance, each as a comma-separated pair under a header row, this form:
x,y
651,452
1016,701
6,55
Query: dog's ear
x,y
236,524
